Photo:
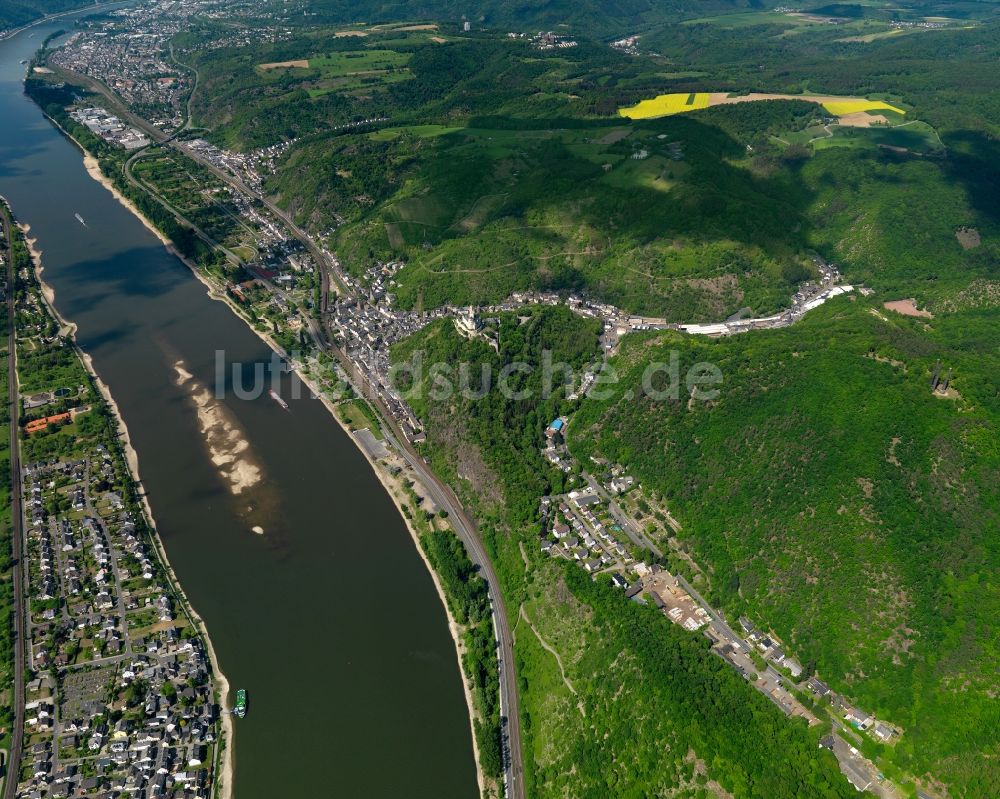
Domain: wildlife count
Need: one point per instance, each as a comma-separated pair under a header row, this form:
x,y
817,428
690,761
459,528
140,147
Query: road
x,y
181,219
17,531
634,533
194,88
861,773
327,269
719,621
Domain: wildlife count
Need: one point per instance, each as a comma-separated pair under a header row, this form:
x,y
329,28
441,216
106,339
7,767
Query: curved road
x,y
194,88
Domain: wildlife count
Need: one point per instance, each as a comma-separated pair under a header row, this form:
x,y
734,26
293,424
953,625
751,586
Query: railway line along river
x,y
329,617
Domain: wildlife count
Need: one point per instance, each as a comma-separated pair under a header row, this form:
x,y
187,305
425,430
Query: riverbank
x,y
93,167
394,490
226,765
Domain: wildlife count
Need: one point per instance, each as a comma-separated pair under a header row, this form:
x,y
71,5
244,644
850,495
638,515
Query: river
x,y
329,618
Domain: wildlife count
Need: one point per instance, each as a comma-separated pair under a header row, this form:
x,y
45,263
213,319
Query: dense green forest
x,y
488,211
469,602
833,496
656,709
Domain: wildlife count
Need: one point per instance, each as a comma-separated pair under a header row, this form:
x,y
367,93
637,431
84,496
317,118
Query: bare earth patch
x,y
302,63
227,444
816,17
724,98
907,308
862,119
615,135
345,34
968,237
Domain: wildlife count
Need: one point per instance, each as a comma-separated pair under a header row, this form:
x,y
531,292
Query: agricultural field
x,y
756,19
418,131
842,108
353,62
913,137
260,95
668,104
346,71
838,22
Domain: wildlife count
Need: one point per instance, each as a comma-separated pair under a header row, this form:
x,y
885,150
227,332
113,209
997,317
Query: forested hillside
x,y
489,210
650,711
830,493
497,166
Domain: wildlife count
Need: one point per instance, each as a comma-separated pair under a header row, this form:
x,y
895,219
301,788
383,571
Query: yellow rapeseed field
x,y
842,108
678,103
665,105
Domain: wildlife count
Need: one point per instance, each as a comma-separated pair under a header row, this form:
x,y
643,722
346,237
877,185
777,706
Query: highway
x,y
17,532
